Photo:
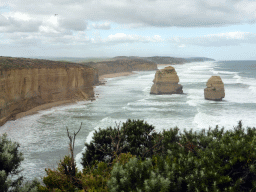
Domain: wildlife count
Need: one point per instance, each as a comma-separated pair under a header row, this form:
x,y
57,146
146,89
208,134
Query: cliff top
x,y
165,59
120,61
25,63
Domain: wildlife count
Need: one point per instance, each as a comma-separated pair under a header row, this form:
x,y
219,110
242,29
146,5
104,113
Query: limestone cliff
x,y
166,82
215,89
28,83
123,65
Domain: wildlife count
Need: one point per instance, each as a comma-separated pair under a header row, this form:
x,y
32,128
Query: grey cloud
x,y
13,25
76,24
23,39
159,13
3,21
104,26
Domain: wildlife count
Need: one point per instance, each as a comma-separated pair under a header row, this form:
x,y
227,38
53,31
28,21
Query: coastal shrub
x,y
66,177
60,180
92,179
10,160
167,161
220,162
134,136
95,178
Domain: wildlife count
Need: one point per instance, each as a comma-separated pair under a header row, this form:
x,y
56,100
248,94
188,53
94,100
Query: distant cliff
x,y
167,60
28,83
123,64
198,59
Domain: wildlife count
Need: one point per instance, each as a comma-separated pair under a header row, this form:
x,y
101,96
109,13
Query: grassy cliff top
x,y
26,63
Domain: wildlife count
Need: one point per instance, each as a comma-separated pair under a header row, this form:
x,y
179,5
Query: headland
x,y
29,85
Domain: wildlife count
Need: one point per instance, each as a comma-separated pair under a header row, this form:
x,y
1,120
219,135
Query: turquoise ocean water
x,y
43,136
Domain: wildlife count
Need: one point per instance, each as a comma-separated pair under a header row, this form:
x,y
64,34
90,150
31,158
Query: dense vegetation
x,y
10,159
133,157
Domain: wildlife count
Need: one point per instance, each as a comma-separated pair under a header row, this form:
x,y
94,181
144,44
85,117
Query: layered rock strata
x,y
215,89
28,83
166,82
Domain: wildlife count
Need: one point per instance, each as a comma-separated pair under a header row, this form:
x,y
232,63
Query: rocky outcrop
x,y
28,83
166,82
120,65
215,89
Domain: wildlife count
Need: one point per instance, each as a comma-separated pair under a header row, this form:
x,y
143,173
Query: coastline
x,y
112,75
43,107
66,102
167,64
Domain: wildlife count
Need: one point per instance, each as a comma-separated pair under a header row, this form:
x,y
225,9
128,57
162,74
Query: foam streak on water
x,y
43,136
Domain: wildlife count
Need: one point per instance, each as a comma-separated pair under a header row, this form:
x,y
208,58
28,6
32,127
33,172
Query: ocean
x,y
43,136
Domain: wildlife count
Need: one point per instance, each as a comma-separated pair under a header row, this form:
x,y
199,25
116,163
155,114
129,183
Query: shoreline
x,y
102,80
113,75
167,64
43,107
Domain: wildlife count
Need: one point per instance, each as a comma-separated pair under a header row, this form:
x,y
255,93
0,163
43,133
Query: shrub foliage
x,y
134,136
10,160
135,158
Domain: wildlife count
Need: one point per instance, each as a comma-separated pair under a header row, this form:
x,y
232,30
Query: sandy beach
x,y
67,102
112,75
43,107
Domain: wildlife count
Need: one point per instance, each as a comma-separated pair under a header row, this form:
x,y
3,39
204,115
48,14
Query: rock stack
x,y
215,89
166,82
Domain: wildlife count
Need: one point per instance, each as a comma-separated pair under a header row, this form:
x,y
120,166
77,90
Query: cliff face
x,y
166,82
123,65
22,89
215,89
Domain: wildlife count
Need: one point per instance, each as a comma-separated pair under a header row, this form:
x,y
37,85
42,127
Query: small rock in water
x,y
215,89
166,82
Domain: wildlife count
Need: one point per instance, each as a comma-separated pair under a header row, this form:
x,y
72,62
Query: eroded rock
x,y
215,89
166,82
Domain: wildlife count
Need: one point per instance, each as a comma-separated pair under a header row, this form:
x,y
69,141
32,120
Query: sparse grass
x,y
26,63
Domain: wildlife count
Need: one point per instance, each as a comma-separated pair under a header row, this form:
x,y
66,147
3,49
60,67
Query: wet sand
x,y
112,75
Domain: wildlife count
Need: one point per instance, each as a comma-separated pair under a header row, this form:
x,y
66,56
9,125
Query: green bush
x,y
135,136
215,161
10,160
60,179
141,160
95,178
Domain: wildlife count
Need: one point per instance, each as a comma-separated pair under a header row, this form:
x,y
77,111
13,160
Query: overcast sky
x,y
219,29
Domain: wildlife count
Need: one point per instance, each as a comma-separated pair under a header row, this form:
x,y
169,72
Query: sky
x,y
218,29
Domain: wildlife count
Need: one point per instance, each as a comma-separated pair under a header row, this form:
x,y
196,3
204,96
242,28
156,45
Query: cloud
x,y
18,22
76,24
124,38
217,40
158,13
50,37
104,26
3,21
65,22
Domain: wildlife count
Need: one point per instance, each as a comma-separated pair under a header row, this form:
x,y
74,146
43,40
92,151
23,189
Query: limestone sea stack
x,y
215,89
166,82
